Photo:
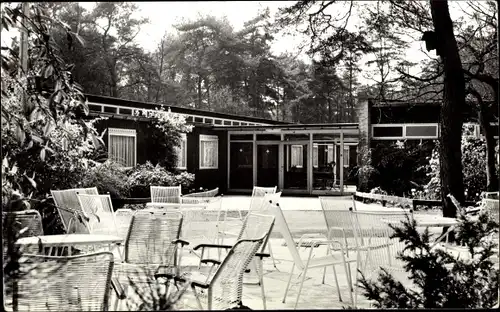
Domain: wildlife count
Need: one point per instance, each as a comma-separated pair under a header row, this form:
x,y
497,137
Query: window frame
x,y
208,138
403,126
182,149
127,133
301,156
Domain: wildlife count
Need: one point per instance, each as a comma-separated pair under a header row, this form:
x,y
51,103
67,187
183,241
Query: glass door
x,y
267,164
241,165
295,166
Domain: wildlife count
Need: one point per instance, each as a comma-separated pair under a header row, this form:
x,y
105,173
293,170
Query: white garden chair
x,y
338,219
336,256
254,226
166,194
69,207
100,217
372,236
221,288
54,283
151,246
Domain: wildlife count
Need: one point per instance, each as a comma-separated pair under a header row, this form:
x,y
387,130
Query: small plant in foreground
x,y
441,280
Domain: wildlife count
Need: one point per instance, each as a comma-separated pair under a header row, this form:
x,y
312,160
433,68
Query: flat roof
x,y
176,109
332,126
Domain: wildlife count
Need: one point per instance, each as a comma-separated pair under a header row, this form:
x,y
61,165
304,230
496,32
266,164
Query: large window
x,y
209,148
297,156
182,152
122,146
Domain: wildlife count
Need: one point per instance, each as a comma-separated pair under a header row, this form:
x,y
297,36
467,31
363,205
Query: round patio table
x,y
70,240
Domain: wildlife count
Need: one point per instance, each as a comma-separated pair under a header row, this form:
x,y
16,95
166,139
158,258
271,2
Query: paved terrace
x,y
303,215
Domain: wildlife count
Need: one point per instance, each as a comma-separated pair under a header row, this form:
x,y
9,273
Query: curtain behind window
x,y
122,149
209,157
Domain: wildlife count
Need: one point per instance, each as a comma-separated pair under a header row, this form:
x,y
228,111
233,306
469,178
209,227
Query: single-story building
x,y
236,153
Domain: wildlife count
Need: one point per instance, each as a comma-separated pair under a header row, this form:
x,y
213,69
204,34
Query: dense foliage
x,y
474,167
163,136
440,279
143,176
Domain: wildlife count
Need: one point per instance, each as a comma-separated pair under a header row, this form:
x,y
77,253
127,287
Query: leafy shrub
x,y
402,166
108,177
143,176
164,135
441,280
367,178
473,166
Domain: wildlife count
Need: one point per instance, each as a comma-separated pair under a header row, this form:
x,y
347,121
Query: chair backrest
x,y
338,218
267,199
201,225
150,236
75,283
210,193
370,224
256,226
98,209
258,194
227,283
287,235
123,218
66,199
17,224
166,194
25,223
492,207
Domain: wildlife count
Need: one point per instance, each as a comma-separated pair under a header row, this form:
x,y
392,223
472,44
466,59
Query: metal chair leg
x,y
261,281
300,287
336,282
288,284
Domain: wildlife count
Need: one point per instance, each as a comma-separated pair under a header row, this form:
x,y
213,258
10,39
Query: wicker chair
x,y
166,194
372,236
211,193
222,288
151,245
49,283
68,207
254,226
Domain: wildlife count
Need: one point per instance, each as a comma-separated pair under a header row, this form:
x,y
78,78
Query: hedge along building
x,y
235,152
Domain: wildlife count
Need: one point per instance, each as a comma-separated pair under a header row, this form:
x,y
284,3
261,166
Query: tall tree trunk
x,y
113,77
484,122
199,91
451,111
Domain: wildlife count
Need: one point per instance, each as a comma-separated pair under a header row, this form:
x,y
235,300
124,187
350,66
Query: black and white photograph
x,y
250,155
